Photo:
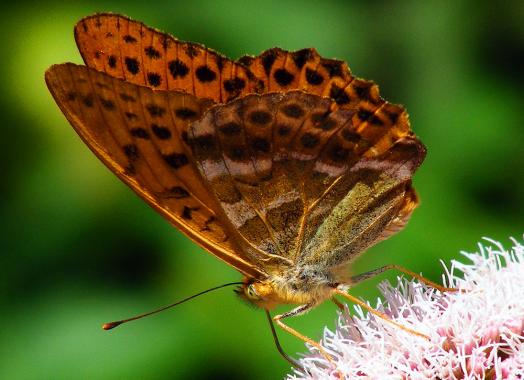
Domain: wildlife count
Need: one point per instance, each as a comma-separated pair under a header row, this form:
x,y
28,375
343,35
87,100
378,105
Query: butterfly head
x,y
271,292
258,293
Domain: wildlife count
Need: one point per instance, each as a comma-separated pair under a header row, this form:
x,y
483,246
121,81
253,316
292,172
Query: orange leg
x,y
298,311
373,273
378,313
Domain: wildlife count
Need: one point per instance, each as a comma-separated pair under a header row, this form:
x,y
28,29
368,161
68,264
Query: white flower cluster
x,y
476,333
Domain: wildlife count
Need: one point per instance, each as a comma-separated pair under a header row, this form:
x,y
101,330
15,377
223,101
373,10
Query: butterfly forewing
x,y
139,134
130,50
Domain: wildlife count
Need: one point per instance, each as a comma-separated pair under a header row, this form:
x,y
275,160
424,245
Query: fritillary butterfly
x,y
284,165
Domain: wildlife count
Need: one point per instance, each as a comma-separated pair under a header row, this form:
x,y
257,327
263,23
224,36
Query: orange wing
x,y
139,134
130,50
302,184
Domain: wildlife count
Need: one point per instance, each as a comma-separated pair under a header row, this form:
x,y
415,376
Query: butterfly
x,y
284,165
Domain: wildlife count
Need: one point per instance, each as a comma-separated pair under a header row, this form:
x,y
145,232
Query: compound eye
x,y
251,292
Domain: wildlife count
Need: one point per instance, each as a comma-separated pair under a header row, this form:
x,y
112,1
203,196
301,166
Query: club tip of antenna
x,y
111,325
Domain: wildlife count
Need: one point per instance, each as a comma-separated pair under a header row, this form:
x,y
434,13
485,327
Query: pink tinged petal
x,y
475,334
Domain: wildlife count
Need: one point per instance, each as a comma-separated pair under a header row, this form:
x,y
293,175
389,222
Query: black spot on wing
x,y
313,77
237,153
309,140
283,130
205,74
283,77
364,114
246,60
140,133
326,124
132,65
363,91
161,132
129,39
176,160
177,68
88,100
151,52
260,117
220,62
71,96
234,85
185,113
192,50
268,58
393,116
131,115
339,95
333,67
111,61
155,110
107,104
186,212
375,120
154,79
131,151
350,136
293,111
300,57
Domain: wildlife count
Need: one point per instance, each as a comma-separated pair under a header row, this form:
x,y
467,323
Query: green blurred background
x,y
79,248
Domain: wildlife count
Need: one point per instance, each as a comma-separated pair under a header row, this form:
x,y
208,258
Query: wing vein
x,y
263,253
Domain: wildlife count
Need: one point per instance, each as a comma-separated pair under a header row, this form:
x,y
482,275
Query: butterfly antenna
x,y
112,325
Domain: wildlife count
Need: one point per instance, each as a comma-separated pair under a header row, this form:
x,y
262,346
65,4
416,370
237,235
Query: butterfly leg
x,y
298,311
377,313
338,303
292,361
373,273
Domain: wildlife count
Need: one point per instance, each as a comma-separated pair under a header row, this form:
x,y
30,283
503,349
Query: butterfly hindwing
x,y
284,193
372,200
